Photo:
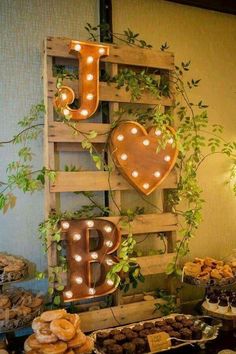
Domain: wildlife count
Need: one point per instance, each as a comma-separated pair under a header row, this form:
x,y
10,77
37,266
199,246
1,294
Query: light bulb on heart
x,y
139,155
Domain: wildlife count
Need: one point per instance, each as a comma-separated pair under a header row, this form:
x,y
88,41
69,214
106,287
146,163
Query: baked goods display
x,y
12,268
208,271
181,329
222,302
58,332
17,308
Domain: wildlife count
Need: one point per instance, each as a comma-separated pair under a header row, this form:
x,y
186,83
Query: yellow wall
x,y
209,39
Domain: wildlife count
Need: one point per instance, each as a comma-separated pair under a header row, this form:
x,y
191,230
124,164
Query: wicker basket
x,y
7,277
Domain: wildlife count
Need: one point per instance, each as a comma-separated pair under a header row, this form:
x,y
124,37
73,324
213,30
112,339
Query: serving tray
x,y
210,329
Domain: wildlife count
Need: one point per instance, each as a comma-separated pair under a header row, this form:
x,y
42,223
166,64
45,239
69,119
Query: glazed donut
x,y
70,351
63,329
49,316
4,301
27,348
53,348
39,324
87,347
3,351
33,343
74,319
45,336
78,340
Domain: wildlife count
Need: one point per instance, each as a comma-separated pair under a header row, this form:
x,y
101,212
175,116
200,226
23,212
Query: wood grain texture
x,y
157,264
146,223
59,47
119,315
60,132
99,181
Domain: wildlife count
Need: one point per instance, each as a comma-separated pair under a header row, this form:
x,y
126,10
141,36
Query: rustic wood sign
x,y
81,283
89,55
139,157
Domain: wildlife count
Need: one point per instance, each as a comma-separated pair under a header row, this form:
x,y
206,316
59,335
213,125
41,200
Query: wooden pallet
x,y
59,138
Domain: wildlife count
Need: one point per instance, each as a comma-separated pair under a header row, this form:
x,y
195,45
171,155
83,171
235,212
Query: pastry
x,y
108,342
129,348
63,329
101,337
120,338
87,347
78,340
115,349
192,269
49,316
137,328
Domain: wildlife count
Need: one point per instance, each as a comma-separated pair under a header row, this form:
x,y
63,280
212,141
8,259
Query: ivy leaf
x,y
57,300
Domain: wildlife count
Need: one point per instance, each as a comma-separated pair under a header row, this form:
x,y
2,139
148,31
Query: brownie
x,y
177,326
170,321
120,338
154,330
140,345
114,332
101,336
137,328
180,318
175,335
144,333
115,349
131,335
185,333
167,329
187,323
129,348
148,325
108,342
160,323
196,333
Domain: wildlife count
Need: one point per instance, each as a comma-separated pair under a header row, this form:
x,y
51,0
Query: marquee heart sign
x,y
138,155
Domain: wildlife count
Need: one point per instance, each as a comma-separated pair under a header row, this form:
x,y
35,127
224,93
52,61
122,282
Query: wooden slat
x,y
110,93
157,264
49,162
99,181
59,47
60,132
119,315
76,147
146,223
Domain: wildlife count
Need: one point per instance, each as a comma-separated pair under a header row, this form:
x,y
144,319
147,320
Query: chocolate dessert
x,y
115,349
120,338
101,336
137,328
129,348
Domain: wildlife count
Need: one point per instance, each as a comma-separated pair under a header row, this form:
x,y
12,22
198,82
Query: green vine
x,y
20,173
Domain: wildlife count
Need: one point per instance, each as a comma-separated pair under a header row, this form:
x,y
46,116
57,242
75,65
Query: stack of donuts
x,y
58,332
